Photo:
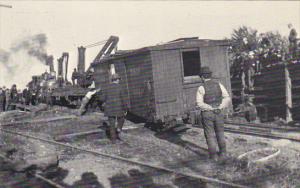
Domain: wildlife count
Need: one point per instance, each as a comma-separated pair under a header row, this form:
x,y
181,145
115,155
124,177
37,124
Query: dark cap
x,y
205,70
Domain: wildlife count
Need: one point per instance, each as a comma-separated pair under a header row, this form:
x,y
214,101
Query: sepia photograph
x,y
149,94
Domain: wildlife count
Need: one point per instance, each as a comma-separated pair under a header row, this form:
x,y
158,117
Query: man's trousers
x,y
115,125
213,124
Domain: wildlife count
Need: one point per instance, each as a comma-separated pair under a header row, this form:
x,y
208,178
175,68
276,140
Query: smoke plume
x,y
25,58
34,46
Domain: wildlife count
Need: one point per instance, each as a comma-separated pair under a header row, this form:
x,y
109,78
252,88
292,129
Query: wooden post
x,y
288,94
243,87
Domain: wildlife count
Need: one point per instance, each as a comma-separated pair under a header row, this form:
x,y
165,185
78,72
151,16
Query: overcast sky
x,y
69,24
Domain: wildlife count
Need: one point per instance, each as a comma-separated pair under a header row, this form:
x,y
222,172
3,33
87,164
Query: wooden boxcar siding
x,y
189,95
167,77
154,79
216,58
140,84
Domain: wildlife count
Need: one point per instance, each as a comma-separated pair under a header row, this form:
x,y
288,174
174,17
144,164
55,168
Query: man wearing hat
x,y
212,98
114,97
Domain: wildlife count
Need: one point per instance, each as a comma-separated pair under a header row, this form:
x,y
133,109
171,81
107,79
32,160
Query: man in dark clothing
x,y
14,94
13,97
2,99
27,96
4,95
115,108
211,99
74,76
7,99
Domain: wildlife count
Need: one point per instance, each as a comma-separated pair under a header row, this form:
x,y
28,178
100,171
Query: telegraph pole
x,y
5,6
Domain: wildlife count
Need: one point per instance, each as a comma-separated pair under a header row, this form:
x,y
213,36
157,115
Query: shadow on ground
x,y
137,179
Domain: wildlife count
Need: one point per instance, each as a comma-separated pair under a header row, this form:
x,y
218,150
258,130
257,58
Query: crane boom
x,y
107,48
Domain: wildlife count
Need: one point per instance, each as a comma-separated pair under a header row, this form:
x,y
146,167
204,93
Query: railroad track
x,y
129,161
262,130
252,129
36,175
264,126
48,181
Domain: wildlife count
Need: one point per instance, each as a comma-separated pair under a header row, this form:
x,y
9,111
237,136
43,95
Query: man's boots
x,y
113,134
83,105
119,129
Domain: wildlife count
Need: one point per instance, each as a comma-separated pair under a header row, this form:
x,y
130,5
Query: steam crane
x,y
84,77
58,88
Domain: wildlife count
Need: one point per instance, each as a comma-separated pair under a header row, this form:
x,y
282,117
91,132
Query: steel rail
x,y
199,177
261,125
50,182
256,133
260,134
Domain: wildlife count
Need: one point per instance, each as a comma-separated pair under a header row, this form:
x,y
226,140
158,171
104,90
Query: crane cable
x,y
95,44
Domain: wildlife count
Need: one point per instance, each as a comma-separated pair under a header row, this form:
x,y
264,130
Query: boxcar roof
x,y
181,43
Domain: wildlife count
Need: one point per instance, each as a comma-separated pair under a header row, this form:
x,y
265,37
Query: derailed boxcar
x,y
161,81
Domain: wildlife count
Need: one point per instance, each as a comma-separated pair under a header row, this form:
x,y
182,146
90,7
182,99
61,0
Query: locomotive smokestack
x,y
49,62
66,60
81,59
60,67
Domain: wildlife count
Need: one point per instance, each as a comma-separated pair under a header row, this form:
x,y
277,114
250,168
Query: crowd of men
x,y
9,97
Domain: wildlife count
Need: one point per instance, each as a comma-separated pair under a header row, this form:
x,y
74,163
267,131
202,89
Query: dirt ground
x,y
184,152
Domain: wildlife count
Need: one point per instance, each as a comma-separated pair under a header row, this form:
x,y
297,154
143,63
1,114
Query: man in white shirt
x,y
212,98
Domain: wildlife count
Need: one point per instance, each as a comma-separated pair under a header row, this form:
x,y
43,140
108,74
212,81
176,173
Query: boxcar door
x,y
167,78
139,75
